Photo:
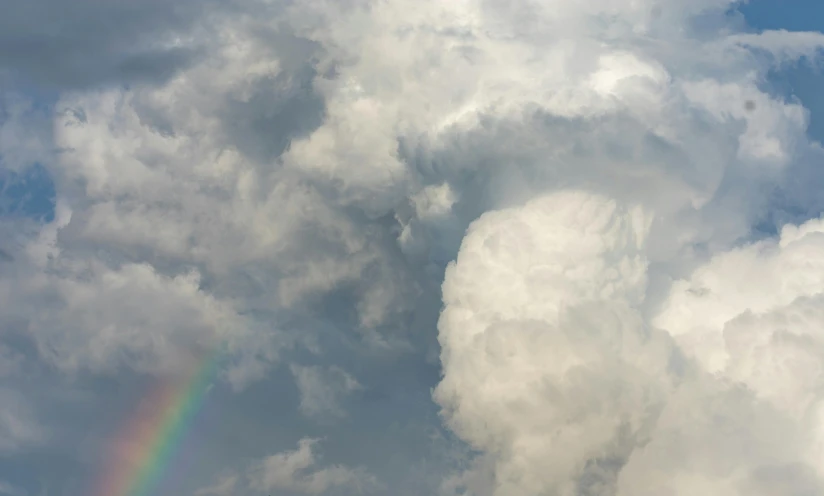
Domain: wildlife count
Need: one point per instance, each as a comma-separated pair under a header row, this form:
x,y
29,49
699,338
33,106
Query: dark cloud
x,y
75,44
279,110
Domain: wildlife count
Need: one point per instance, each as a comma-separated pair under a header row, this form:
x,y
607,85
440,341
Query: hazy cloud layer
x,y
592,218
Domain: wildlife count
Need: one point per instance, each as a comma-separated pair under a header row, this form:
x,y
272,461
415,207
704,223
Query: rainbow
x,y
147,443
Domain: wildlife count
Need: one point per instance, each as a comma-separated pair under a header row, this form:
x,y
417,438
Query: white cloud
x,y
717,440
323,388
786,46
302,182
296,471
551,370
548,366
743,286
752,316
151,190
169,178
98,318
226,486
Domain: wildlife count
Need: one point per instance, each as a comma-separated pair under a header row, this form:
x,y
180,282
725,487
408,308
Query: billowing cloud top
x,y
536,247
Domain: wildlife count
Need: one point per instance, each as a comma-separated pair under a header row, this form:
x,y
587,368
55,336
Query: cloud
x,y
549,368
173,178
133,308
19,428
228,230
48,44
6,488
552,372
720,442
752,316
263,237
296,472
223,487
743,286
292,179
322,389
784,45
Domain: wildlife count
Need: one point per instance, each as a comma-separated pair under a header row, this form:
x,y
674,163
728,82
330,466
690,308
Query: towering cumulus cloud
x,y
549,367
593,218
564,363
554,373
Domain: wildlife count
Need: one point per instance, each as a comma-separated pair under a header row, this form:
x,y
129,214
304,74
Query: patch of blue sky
x,y
30,193
792,15
803,80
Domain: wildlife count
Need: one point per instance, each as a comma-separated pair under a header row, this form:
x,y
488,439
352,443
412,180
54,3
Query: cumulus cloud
x,y
752,316
294,177
551,370
549,367
171,179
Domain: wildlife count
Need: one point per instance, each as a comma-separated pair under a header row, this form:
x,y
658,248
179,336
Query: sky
x,y
411,247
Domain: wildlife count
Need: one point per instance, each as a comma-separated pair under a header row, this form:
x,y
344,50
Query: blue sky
x,y
803,81
293,183
793,15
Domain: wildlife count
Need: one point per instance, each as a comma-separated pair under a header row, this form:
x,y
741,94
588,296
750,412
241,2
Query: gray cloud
x,y
88,42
